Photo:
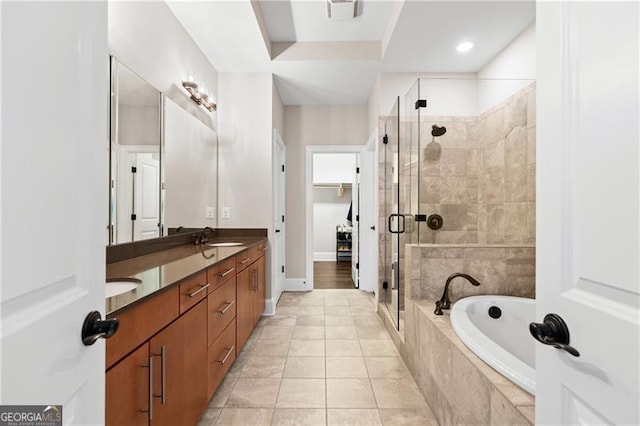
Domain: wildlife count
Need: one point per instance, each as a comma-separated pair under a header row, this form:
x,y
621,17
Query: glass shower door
x,y
393,219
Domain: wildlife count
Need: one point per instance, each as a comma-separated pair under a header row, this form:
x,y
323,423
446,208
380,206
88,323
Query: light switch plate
x,y
210,213
226,212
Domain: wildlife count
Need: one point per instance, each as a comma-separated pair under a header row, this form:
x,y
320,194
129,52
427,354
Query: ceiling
x,y
317,61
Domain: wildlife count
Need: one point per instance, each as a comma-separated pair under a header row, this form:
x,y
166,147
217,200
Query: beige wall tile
x,y
503,413
387,368
493,157
531,145
515,148
515,186
453,162
397,393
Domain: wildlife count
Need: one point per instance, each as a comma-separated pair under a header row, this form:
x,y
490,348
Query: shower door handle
x,y
389,220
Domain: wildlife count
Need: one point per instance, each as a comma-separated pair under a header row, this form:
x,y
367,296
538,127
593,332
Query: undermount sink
x,y
229,244
116,286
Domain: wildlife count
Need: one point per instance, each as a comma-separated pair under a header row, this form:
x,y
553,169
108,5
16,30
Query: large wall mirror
x,y
163,163
135,157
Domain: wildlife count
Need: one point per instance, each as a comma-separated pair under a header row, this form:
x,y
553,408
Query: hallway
x,y
324,359
332,275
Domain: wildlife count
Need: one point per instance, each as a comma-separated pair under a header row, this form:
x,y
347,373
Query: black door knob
x,y
553,331
95,328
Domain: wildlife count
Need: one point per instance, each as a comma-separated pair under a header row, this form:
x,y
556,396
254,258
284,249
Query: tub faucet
x,y
201,238
444,302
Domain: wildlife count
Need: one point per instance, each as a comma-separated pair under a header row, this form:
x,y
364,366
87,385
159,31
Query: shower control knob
x,y
553,331
435,222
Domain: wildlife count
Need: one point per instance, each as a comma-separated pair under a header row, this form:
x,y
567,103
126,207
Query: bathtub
x,y
504,343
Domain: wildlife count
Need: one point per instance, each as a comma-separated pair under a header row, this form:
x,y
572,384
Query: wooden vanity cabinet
x,y
127,390
174,363
251,295
180,386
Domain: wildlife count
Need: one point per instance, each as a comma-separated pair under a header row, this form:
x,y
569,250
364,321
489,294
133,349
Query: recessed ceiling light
x,y
465,46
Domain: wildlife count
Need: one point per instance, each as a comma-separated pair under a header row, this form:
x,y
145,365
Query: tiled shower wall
x,y
480,175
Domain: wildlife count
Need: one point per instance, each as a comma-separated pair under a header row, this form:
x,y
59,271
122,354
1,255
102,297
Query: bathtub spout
x,y
444,302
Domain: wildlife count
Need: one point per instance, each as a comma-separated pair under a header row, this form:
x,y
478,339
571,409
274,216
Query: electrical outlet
x,y
226,212
210,213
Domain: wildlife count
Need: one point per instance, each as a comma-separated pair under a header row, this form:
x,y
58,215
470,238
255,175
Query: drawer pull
x,y
229,305
199,290
242,262
150,409
227,355
227,272
163,376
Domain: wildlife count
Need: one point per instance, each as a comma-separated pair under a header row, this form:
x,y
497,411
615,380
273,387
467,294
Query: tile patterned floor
x,y
324,359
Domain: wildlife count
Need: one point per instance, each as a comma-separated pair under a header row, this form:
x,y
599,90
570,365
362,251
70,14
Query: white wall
x,y
139,125
244,111
149,40
277,109
329,210
516,64
446,94
333,168
374,106
313,125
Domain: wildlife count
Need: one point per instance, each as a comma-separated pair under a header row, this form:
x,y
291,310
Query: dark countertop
x,y
161,270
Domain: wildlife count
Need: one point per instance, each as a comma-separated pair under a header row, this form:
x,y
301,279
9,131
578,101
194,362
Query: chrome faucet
x,y
201,238
444,302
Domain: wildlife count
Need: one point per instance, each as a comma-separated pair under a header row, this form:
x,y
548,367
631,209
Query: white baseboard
x,y
269,308
297,284
324,256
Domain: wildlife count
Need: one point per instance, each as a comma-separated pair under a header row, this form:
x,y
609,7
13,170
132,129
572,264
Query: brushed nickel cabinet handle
x,y
242,262
227,272
163,375
229,305
199,290
227,355
150,409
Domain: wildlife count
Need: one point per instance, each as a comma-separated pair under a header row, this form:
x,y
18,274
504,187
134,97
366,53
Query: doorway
x,y
348,243
334,233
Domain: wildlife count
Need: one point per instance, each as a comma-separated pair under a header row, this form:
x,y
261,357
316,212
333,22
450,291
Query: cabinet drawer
x,y
222,353
244,259
219,274
221,309
140,322
192,290
260,249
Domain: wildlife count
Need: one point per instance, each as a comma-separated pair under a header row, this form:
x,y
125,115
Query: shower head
x,y
438,130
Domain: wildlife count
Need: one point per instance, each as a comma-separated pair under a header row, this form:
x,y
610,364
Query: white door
x,y
279,206
587,210
355,223
147,193
54,204
368,218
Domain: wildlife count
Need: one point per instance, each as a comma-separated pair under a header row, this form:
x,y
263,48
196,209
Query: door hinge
x,y
385,285
282,218
133,216
357,169
421,103
385,139
134,169
420,217
357,218
282,269
283,167
357,265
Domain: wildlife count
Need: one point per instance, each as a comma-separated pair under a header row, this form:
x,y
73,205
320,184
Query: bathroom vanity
x,y
180,329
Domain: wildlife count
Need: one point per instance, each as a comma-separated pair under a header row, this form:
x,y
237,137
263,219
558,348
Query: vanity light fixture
x,y
200,98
